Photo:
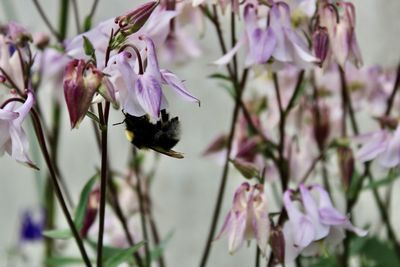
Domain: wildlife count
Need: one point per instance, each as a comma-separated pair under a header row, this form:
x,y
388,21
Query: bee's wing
x,y
170,153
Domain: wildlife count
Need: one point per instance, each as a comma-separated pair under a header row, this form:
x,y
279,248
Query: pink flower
x,y
81,81
341,30
10,64
13,139
248,218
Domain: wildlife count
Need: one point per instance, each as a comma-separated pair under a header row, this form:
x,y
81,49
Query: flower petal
x,y
148,93
172,80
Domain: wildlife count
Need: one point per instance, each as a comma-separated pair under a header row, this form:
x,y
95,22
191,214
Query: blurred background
x,y
185,190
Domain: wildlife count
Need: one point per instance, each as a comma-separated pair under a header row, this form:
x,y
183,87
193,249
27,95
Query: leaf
x,y
63,261
229,89
355,184
156,253
326,262
83,199
391,177
58,234
380,253
88,47
88,23
122,256
93,116
220,76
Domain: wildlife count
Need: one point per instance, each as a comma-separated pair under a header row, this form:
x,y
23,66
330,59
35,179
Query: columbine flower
x,y
81,81
248,218
141,93
382,145
290,46
259,43
341,30
13,139
319,221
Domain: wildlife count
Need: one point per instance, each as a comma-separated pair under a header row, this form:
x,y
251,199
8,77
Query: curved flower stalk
x,y
319,222
141,93
13,139
248,219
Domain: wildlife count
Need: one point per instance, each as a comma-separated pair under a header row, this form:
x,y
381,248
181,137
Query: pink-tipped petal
x,y
178,86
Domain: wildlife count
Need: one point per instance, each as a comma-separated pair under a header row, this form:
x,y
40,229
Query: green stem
x,y
63,19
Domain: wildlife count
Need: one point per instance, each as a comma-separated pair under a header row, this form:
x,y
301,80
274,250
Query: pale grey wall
x,y
185,190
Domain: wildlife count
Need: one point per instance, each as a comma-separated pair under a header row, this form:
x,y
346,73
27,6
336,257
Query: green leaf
x,y
156,253
64,261
326,262
229,89
88,23
88,47
220,76
58,234
83,199
391,177
379,253
93,116
122,256
355,184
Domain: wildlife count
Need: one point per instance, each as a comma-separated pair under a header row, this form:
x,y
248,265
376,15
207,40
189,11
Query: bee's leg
x,y
164,116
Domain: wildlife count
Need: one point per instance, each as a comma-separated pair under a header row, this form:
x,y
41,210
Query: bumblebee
x,y
161,136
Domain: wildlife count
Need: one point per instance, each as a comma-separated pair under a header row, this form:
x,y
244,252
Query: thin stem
x,y
156,237
258,257
103,183
390,100
46,20
76,15
63,19
56,186
92,11
347,103
143,217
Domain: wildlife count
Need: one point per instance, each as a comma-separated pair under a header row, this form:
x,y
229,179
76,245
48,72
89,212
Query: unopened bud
x,y
321,44
278,243
41,40
135,19
80,84
17,33
248,169
387,122
91,212
346,164
321,124
217,145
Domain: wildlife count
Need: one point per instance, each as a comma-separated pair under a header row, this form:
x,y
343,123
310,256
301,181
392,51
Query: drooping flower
x,y
340,24
317,221
248,219
141,93
81,81
382,145
13,139
258,43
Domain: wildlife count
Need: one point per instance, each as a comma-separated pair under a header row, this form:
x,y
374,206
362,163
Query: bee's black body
x,y
161,136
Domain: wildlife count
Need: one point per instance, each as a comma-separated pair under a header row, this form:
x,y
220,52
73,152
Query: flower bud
x,y
321,44
135,19
41,40
80,83
17,33
278,243
321,125
248,169
217,145
91,211
346,164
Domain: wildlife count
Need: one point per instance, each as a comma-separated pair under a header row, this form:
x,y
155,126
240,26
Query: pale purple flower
x,y
290,46
13,139
141,93
248,219
382,145
314,222
258,43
